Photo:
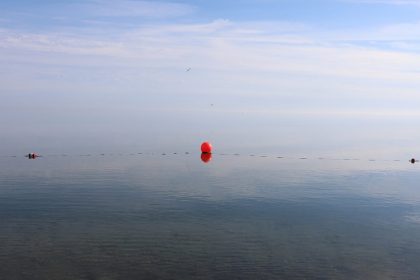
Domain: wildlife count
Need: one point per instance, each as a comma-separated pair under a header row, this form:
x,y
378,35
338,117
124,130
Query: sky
x,y
337,75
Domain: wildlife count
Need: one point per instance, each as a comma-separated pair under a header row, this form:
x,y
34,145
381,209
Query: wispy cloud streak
x,y
130,8
388,2
293,64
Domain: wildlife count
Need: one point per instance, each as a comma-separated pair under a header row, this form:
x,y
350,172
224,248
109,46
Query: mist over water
x,y
67,130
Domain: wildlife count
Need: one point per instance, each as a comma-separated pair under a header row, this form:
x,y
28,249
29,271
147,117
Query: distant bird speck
x,y
188,69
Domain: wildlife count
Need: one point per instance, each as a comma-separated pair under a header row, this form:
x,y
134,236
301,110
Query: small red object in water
x,y
206,147
206,157
32,155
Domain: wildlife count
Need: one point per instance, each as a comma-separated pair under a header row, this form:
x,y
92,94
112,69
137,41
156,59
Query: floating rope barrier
x,y
36,156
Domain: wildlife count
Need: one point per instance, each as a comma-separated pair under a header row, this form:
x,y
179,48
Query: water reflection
x,y
206,157
242,217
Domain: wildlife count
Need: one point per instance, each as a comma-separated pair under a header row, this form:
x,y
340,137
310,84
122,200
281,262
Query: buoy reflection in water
x,y
206,157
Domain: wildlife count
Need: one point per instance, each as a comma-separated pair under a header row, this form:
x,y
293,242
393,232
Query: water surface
x,y
171,216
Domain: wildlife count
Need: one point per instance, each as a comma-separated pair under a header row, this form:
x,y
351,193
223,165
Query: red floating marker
x,y
206,148
32,156
206,157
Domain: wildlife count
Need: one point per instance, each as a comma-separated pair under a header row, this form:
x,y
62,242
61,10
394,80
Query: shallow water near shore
x,y
171,216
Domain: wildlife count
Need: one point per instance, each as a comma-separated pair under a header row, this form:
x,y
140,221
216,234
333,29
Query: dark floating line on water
x,y
413,160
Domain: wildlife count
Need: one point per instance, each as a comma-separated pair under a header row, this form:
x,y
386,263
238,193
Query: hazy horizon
x,y
289,76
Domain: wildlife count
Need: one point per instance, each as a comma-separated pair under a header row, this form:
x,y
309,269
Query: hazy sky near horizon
x,y
83,71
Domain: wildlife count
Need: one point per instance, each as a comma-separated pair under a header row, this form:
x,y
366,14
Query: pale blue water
x,y
154,216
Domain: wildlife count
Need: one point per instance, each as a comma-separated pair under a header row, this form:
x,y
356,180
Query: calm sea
x,y
172,216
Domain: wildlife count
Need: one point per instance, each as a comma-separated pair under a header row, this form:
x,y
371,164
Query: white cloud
x,y
402,31
228,59
407,31
58,43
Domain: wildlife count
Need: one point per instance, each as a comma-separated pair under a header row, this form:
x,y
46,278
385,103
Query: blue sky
x,y
102,67
331,14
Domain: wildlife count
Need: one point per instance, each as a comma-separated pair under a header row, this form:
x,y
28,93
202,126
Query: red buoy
x,y
32,155
206,148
